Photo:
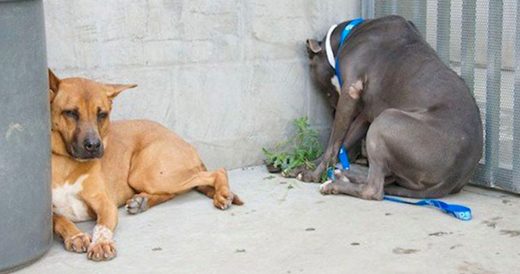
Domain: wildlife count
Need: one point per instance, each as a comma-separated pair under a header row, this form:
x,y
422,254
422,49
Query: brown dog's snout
x,y
92,145
89,147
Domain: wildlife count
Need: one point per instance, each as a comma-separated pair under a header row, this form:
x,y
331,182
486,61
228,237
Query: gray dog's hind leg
x,y
417,154
357,130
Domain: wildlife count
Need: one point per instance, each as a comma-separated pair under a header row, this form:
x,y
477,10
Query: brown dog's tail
x,y
236,200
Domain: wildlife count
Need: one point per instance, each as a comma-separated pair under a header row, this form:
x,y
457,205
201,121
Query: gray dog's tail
x,y
432,193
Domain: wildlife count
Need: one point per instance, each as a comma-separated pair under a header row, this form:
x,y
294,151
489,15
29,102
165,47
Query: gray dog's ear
x,y
313,47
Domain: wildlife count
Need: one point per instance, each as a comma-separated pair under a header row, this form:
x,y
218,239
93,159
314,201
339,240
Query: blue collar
x,y
344,34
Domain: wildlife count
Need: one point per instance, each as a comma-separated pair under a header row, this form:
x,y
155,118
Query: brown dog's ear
x,y
115,89
313,47
54,84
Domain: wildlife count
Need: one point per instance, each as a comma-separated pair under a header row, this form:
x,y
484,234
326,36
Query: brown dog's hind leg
x,y
210,193
214,185
206,190
217,187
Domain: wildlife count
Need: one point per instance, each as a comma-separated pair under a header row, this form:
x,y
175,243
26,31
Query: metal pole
x,y
419,15
393,7
493,90
380,8
515,184
467,43
367,8
443,30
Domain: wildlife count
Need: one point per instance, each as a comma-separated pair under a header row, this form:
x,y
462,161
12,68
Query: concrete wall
x,y
227,75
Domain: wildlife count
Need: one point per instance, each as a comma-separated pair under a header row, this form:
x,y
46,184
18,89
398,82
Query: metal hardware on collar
x,y
333,61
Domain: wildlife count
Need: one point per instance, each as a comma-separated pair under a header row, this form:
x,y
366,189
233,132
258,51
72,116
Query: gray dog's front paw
x,y
328,188
335,186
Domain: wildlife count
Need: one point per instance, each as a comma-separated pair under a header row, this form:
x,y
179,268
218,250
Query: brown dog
x,y
98,165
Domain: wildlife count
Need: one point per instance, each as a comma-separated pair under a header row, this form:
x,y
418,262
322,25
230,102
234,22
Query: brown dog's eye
x,y
71,114
102,116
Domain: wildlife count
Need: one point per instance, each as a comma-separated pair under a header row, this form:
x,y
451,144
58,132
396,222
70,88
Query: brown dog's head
x,y
80,111
322,73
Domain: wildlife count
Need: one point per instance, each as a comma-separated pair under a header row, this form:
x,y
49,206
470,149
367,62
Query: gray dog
x,y
422,125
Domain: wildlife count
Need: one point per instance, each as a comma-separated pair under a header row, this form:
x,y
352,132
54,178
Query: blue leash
x,y
460,212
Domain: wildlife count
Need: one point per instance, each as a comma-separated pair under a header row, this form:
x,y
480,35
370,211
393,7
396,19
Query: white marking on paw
x,y
299,177
101,233
67,203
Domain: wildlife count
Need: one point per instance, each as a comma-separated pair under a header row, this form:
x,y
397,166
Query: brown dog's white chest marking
x,y
66,201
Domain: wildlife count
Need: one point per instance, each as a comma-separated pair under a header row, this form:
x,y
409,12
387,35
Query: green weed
x,y
301,150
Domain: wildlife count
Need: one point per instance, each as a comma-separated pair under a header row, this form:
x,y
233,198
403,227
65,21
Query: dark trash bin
x,y
25,168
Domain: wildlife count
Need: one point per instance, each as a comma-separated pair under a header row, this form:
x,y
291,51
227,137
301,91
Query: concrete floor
x,y
288,227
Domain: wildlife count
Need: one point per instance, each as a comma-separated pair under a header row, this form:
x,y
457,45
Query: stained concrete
x,y
287,227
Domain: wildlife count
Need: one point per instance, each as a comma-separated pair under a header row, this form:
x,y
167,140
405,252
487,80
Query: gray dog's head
x,y
322,73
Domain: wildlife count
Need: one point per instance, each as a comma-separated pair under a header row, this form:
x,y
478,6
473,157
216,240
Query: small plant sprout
x,y
299,151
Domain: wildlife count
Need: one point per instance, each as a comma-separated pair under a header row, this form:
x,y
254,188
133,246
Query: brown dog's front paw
x,y
137,204
78,243
102,251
